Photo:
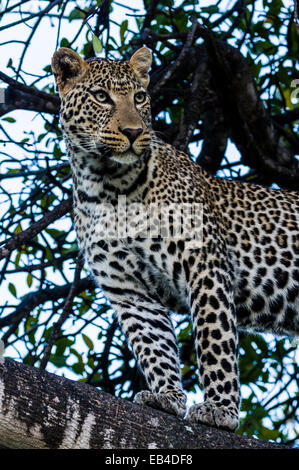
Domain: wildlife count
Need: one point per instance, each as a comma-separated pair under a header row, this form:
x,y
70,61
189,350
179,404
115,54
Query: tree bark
x,y
40,410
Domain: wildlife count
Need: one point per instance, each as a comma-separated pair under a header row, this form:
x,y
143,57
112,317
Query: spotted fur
x,y
242,274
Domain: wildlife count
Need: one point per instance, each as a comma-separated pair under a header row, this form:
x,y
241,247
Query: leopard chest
x,y
153,263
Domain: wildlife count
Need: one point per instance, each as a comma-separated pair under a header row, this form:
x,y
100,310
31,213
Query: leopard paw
x,y
214,415
172,402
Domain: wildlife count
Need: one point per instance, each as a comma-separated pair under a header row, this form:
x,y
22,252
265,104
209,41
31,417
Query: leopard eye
x,y
140,97
101,96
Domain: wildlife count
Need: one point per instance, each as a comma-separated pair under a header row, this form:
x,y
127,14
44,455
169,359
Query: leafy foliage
x,y
51,313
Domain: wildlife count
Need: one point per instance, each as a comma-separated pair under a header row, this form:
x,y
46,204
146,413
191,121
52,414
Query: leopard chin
x,y
125,157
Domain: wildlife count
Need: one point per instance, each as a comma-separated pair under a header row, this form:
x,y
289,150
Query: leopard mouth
x,y
125,157
129,155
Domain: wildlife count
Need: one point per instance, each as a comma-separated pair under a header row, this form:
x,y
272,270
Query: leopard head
x,y
105,106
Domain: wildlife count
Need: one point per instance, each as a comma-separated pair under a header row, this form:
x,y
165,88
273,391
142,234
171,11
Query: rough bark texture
x,y
41,410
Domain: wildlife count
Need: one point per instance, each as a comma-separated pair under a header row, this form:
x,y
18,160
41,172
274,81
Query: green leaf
x,y
31,337
13,170
12,289
64,43
58,361
57,152
62,344
267,433
75,352
76,15
210,9
96,44
49,255
123,29
18,229
47,333
28,359
29,280
78,368
55,233
87,341
48,68
17,259
8,119
72,248
287,94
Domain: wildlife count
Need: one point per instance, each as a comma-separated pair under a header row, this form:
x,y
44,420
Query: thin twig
x,y
23,237
170,71
54,262
39,297
67,309
40,13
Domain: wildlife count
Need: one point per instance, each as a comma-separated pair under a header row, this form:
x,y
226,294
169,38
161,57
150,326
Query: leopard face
x,y
105,104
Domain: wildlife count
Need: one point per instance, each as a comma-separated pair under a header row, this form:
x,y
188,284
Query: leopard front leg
x,y
148,329
215,332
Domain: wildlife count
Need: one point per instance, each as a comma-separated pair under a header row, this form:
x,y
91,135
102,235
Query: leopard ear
x,y
67,67
141,62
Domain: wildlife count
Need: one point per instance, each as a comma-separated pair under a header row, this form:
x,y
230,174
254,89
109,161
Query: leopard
x,y
234,269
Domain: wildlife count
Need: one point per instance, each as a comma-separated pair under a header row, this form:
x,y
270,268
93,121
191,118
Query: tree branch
x,y
19,239
40,410
27,89
287,117
171,69
252,126
18,99
32,300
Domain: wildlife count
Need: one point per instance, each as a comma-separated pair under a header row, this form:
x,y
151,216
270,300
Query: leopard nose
x,y
132,134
